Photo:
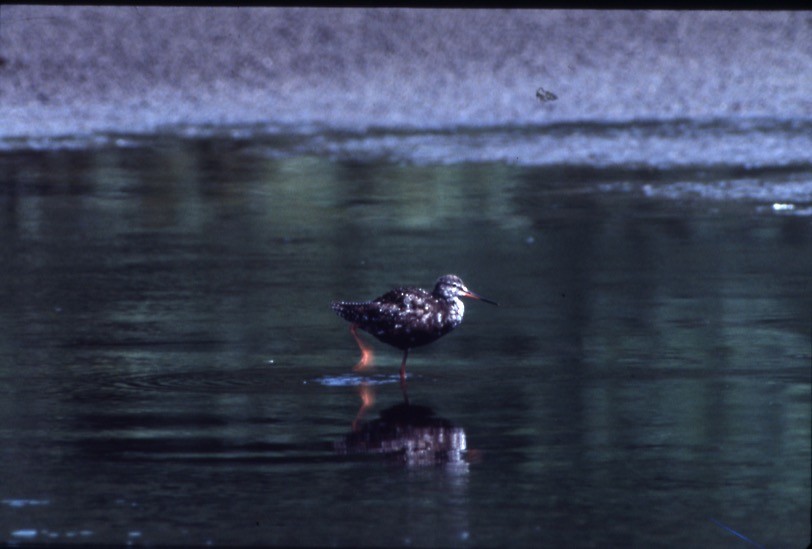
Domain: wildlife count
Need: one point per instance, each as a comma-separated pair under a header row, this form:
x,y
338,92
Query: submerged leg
x,y
366,351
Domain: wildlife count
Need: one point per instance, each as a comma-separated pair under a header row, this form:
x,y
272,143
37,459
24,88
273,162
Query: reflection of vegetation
x,y
642,342
209,226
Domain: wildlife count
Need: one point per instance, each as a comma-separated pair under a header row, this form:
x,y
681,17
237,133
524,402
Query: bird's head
x,y
451,286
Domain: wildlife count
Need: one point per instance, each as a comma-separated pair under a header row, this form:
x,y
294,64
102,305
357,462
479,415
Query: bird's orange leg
x,y
366,351
403,377
403,366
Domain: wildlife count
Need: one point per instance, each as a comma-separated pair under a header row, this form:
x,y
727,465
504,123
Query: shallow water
x,y
172,372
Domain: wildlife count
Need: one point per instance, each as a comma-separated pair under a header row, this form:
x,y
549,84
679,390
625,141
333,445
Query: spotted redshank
x,y
408,317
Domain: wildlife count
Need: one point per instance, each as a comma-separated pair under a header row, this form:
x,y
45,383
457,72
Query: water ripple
x,y
258,380
354,380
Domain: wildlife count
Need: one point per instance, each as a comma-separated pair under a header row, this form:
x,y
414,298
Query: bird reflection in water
x,y
412,434
367,395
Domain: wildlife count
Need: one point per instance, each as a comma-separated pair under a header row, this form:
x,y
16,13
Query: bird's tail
x,y
347,310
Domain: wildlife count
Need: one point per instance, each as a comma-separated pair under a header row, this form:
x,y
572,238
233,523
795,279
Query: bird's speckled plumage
x,y
410,317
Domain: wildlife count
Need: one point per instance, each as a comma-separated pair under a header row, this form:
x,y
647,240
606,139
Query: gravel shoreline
x,y
78,70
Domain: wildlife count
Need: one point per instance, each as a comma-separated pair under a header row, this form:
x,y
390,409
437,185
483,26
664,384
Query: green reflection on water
x,y
649,359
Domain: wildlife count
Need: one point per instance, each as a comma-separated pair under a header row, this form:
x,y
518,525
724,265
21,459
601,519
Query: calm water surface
x,y
171,371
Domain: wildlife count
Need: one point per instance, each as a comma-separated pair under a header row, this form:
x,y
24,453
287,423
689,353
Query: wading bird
x,y
407,317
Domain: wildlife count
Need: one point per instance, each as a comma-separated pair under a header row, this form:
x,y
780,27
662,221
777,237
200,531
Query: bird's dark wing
x,y
387,311
402,317
401,306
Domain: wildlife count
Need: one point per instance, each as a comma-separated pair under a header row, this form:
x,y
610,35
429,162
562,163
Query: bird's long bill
x,y
475,295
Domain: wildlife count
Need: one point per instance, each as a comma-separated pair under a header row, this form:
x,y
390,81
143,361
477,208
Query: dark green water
x,y
171,372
